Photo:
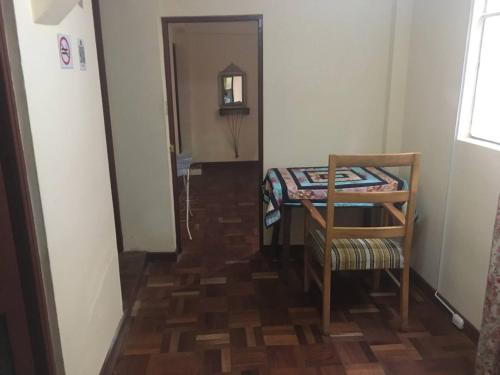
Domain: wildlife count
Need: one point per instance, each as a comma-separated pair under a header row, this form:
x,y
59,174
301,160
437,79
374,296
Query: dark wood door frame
x,y
19,221
107,123
166,21
177,106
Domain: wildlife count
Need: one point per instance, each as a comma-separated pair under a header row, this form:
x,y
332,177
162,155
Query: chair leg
x,y
307,269
405,292
327,288
307,257
376,279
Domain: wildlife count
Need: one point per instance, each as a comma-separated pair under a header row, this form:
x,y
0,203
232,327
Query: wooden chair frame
x,y
403,227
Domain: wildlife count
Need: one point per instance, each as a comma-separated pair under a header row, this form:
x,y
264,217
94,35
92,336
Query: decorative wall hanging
x,y
232,102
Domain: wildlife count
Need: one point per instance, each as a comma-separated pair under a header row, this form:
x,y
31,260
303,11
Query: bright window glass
x,y
485,122
493,6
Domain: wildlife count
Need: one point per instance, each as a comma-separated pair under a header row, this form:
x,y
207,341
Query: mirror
x,y
232,87
233,90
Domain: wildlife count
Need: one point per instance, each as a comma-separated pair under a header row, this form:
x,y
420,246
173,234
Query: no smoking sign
x,y
65,53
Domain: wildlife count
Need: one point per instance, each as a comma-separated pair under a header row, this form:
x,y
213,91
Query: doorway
x,y
214,84
25,343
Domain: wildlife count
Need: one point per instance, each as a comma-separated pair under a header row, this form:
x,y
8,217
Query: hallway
x,y
225,205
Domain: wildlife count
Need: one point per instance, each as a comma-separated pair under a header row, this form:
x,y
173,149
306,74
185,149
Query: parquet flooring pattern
x,y
222,309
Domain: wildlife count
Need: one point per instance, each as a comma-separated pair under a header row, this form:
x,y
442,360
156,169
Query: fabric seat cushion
x,y
359,254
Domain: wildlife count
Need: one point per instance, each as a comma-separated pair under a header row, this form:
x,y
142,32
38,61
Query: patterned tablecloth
x,y
288,186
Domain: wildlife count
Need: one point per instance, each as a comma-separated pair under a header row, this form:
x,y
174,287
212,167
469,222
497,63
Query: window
x,y
480,113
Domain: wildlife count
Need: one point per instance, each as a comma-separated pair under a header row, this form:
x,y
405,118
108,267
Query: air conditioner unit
x,y
51,12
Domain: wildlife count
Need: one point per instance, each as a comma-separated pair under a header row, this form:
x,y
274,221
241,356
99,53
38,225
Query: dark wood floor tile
x,y
140,325
274,316
174,364
395,352
301,335
279,335
248,358
131,365
245,318
219,290
318,335
225,359
304,315
143,344
211,362
351,353
332,370
365,369
238,303
321,355
449,366
213,304
243,288
182,320
170,342
132,264
187,341
294,371
210,320
221,309
285,357
238,338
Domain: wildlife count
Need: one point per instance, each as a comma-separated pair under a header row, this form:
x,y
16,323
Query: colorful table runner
x,y
288,186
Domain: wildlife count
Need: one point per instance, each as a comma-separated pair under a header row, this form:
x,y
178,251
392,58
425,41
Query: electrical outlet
x,y
458,321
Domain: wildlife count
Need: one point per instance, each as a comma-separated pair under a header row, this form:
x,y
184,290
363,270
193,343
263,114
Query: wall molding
x,y
469,329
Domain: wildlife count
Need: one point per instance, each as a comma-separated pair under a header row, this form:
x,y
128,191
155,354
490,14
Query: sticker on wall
x,y
81,53
65,54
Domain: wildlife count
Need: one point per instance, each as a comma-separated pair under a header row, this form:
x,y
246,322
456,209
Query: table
x,y
284,188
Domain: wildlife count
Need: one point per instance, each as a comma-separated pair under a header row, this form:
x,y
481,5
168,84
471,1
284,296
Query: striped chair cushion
x,y
359,254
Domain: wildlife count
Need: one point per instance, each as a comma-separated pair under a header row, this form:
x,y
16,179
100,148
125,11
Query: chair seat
x,y
359,254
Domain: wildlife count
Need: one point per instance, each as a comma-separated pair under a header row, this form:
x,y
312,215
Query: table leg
x,y
275,240
285,252
188,206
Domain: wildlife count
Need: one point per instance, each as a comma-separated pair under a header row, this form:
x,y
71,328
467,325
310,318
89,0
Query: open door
x,y
15,347
25,341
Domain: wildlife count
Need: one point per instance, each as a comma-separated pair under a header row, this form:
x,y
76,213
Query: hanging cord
x,y
234,122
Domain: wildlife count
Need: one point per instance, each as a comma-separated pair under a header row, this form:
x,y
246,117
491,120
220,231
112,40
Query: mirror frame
x,y
230,71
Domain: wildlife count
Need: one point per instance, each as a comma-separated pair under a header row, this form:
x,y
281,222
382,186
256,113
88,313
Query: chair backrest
x,y
387,199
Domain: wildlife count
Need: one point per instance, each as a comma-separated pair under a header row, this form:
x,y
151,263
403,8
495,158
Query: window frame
x,y
479,15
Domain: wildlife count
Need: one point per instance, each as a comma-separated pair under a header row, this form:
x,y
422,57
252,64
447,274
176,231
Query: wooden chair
x,y
362,248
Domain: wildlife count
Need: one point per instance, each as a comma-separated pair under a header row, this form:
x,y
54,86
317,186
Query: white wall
x,y
472,207
137,103
203,51
326,68
437,51
327,61
67,127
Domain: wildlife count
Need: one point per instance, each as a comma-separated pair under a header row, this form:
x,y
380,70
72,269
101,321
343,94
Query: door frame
x,y
22,221
165,22
101,62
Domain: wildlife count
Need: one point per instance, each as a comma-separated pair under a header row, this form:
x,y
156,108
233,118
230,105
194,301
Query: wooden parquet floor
x,y
221,309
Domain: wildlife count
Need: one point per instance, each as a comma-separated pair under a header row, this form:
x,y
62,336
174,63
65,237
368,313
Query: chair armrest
x,y
311,210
